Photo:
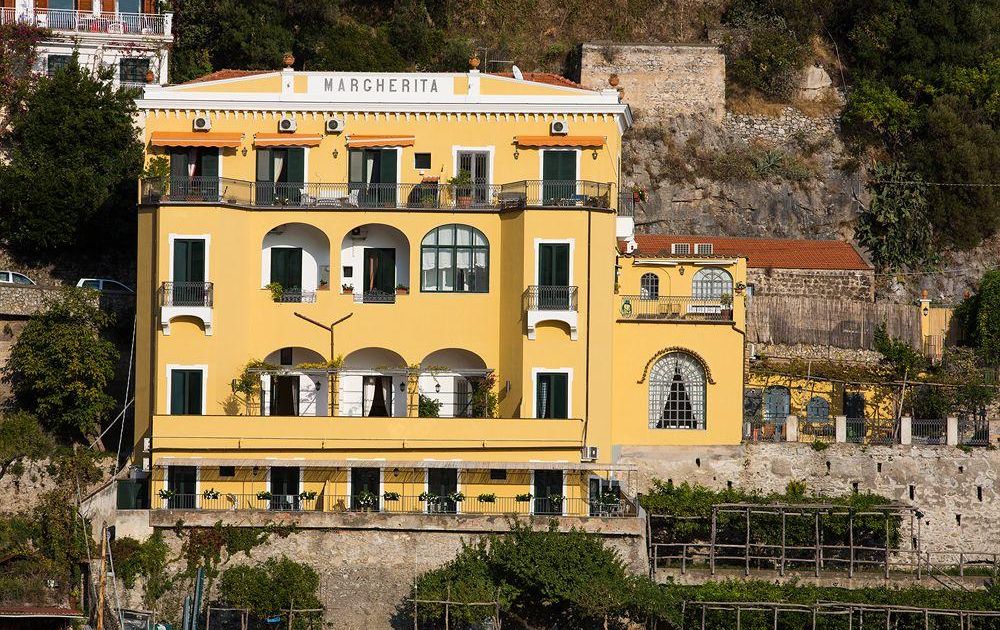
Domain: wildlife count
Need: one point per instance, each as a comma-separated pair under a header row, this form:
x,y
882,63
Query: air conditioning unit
x,y
202,123
589,454
559,128
334,125
359,233
286,125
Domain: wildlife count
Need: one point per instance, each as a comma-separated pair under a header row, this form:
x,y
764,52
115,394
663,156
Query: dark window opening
x,y
227,471
422,161
497,474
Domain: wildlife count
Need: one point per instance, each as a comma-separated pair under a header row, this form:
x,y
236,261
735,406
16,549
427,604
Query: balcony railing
x,y
929,430
375,296
90,22
186,294
550,298
428,195
876,431
609,505
292,296
674,308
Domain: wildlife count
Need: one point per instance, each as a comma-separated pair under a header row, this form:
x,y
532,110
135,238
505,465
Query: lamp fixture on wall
x,y
335,154
517,154
402,386
680,270
244,151
437,388
595,154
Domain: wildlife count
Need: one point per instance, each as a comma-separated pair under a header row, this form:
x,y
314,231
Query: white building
x,y
126,35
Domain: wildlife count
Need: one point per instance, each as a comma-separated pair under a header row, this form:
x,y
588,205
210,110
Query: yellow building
x,y
406,292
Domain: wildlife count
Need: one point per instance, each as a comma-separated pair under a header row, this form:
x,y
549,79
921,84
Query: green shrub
x,y
765,55
895,227
351,46
272,586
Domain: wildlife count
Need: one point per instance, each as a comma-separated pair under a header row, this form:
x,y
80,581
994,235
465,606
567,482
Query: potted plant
x,y
556,501
211,494
428,497
346,288
391,496
487,497
740,287
523,498
402,289
156,178
166,493
308,495
463,188
276,290
324,285
727,305
428,200
366,500
457,497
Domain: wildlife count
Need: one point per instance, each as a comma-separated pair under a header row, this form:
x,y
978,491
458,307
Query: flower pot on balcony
x,y
402,290
727,314
464,202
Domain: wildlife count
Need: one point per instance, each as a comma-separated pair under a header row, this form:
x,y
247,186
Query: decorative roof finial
x,y
288,59
474,62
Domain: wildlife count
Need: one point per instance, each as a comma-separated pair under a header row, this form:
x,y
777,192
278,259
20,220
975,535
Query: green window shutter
x,y
386,279
545,264
560,264
178,163
294,268
194,393
210,163
550,165
178,394
265,166
388,166
181,260
279,263
296,166
356,168
196,261
560,395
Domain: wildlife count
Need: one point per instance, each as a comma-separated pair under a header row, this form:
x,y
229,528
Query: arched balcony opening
x,y
299,386
373,383
375,262
295,261
449,382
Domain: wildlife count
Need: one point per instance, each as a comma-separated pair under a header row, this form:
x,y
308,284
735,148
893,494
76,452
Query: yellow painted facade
x,y
363,238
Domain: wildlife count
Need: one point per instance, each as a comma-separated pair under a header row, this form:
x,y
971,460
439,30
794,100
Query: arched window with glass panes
x,y
711,284
649,286
677,392
455,258
817,409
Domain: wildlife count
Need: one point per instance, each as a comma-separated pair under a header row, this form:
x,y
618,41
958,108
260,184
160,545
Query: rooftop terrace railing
x,y
90,22
333,196
674,308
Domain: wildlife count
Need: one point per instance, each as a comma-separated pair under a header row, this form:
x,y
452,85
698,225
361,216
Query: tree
x,y
271,587
979,318
351,46
18,52
21,437
73,166
894,227
412,33
60,366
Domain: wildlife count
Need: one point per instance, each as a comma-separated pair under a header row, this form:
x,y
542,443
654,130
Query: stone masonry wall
x,y
660,80
790,124
366,566
945,481
833,284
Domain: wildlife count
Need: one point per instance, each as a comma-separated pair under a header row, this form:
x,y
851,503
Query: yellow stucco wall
x,y
606,355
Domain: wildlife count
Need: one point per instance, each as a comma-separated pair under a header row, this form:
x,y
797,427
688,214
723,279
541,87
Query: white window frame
x,y
562,508
676,247
572,254
534,389
208,248
170,367
708,246
454,159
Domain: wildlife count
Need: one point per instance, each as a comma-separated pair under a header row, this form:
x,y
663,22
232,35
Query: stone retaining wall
x,y
946,482
790,125
660,80
819,283
25,300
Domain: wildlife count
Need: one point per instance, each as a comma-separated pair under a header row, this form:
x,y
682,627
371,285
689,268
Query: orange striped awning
x,y
560,141
358,141
195,139
287,139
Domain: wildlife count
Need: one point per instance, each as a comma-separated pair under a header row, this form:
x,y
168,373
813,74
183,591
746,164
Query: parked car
x,y
12,277
103,285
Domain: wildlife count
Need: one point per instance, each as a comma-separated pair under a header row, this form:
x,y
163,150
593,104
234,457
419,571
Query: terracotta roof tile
x,y
226,74
764,253
543,77
39,611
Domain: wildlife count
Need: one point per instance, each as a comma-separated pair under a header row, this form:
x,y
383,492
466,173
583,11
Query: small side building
x,y
779,266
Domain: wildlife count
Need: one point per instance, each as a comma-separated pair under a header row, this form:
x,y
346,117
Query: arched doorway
x,y
448,381
373,384
375,261
294,389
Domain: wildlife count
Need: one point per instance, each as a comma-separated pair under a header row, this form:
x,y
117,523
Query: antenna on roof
x,y
517,73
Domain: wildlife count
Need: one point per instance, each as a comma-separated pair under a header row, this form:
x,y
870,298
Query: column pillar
x,y
841,427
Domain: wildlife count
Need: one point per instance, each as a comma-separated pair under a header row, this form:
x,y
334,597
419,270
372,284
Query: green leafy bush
x,y
271,587
895,227
764,55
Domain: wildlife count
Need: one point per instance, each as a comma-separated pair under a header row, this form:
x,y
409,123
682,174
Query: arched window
x,y
455,257
711,284
817,409
677,393
777,405
649,286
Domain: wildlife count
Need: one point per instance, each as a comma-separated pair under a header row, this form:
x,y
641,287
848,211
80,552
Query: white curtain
x,y
192,162
367,395
387,392
279,165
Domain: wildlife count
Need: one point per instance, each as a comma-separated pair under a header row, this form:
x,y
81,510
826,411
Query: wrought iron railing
x,y
89,22
929,430
295,296
550,298
537,193
627,202
974,429
186,294
605,506
428,195
375,296
813,429
764,431
674,308
876,431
